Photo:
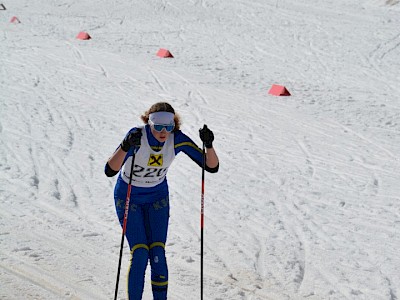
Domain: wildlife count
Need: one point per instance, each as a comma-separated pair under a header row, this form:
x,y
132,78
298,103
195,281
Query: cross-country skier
x,y
156,144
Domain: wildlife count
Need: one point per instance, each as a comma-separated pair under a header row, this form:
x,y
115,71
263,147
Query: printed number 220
x,y
139,171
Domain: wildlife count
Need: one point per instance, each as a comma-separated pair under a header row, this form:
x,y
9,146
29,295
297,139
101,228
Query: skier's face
x,y
161,136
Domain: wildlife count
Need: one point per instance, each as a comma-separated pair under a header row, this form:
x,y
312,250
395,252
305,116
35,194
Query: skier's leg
x,y
137,269
136,236
159,271
158,227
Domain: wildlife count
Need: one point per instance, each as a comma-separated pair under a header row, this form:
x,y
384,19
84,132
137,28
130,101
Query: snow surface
x,y
307,201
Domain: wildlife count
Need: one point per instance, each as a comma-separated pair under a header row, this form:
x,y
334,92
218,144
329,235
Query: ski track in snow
x,y
306,203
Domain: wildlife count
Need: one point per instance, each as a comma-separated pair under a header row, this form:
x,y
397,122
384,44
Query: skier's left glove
x,y
132,139
207,136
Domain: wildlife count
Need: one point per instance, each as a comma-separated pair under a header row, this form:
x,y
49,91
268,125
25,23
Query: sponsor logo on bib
x,y
155,160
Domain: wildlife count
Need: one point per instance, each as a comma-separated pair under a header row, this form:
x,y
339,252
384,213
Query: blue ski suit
x,y
148,217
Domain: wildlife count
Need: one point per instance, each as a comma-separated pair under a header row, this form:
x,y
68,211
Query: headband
x,y
162,117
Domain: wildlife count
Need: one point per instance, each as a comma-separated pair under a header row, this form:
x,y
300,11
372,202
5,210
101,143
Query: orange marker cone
x,y
83,36
164,53
278,90
15,20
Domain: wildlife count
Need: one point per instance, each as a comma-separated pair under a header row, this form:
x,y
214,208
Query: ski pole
x,y
128,196
202,222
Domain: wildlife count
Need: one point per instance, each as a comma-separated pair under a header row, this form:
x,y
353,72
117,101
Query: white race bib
x,y
150,167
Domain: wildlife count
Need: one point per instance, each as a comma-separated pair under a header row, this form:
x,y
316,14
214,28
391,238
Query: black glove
x,y
207,136
132,139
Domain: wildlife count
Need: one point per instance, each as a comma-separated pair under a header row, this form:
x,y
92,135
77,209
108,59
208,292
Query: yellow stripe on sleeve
x,y
188,144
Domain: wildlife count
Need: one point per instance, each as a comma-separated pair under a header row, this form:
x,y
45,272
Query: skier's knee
x,y
159,269
140,255
157,254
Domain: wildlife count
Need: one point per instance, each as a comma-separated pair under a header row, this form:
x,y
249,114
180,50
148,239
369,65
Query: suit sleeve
x,y
107,169
185,144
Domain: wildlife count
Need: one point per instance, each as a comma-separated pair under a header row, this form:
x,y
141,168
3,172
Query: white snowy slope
x,y
307,201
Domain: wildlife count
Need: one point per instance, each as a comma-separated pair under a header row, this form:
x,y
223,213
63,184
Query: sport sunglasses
x,y
160,127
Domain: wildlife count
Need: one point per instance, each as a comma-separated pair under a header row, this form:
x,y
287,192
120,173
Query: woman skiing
x,y
153,148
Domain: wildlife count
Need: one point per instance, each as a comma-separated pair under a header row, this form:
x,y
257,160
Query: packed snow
x,y
306,204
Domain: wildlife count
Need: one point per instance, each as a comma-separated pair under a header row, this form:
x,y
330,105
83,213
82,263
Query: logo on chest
x,y
155,160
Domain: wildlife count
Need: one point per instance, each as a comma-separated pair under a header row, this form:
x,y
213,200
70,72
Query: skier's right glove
x,y
132,139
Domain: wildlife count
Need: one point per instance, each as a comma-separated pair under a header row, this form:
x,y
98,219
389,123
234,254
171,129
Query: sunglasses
x,y
160,127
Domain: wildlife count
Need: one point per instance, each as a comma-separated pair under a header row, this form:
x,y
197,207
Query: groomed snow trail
x,y
306,203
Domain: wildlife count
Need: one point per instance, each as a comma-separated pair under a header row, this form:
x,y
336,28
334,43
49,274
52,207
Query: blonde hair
x,y
162,106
